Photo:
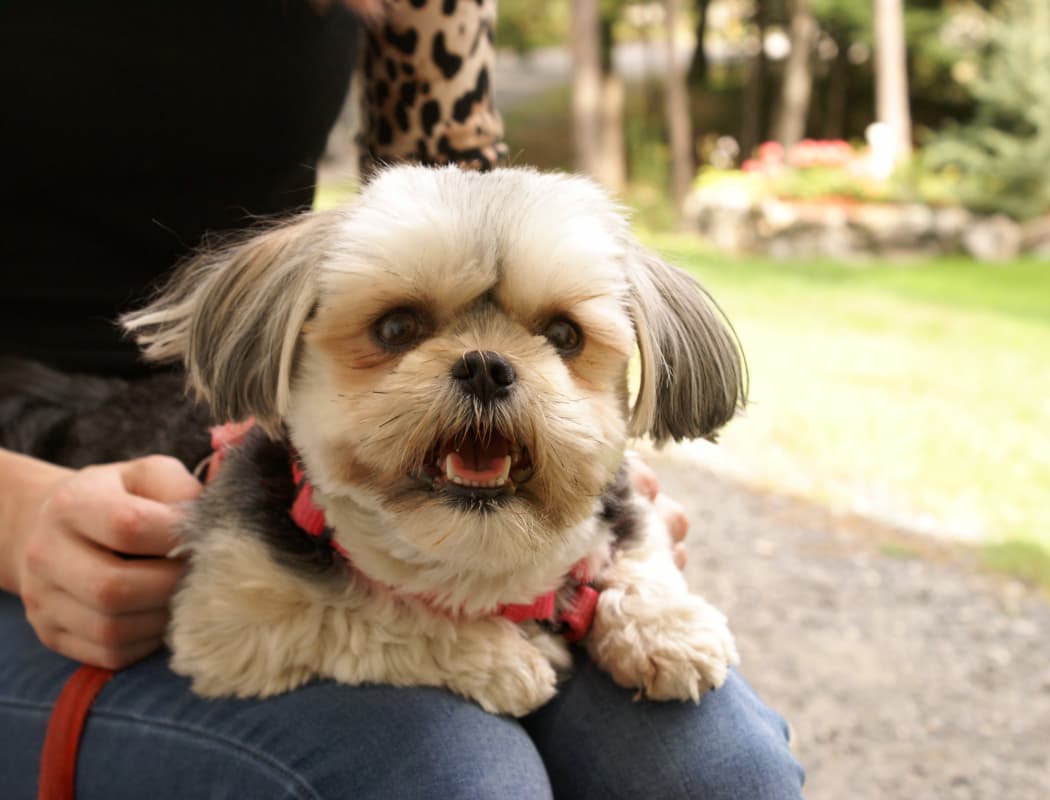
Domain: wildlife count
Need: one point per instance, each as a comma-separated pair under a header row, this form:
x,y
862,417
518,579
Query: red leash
x,y
58,762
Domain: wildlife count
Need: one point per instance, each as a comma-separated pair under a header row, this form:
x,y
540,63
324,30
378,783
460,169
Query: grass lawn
x,y
918,394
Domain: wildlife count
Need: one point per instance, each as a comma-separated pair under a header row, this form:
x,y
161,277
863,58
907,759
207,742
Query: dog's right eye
x,y
399,329
565,335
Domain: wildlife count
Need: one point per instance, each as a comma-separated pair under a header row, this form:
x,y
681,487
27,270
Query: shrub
x,y
998,163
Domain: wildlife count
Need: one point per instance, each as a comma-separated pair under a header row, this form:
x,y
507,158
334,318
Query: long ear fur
x,y
233,318
693,374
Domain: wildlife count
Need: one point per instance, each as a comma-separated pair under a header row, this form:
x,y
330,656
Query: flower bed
x,y
829,199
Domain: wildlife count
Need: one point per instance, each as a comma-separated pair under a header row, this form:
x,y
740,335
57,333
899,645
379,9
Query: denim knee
x,y
328,741
757,765
598,743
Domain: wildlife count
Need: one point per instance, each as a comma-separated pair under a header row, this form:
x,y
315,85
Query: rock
x,y
995,238
950,224
732,230
1035,236
733,219
915,225
776,216
844,243
879,220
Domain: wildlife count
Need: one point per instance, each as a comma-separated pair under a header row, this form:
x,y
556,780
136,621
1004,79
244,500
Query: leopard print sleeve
x,y
427,73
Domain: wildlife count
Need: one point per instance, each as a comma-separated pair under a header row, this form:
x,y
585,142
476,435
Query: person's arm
x,y
65,541
428,87
24,482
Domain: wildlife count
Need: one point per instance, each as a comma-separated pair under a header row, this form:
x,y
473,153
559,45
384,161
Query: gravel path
x,y
905,671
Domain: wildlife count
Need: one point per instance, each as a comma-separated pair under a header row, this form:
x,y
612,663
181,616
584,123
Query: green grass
x,y
1025,559
919,394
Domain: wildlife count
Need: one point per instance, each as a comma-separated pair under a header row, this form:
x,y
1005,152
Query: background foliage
x,y
1000,157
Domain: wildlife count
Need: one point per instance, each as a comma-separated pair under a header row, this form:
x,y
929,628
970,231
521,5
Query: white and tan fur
x,y
282,327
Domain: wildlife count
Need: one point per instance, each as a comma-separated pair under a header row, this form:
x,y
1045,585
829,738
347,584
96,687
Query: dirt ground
x,y
905,671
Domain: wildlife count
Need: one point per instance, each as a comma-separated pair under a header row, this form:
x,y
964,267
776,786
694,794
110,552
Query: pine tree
x,y
1003,157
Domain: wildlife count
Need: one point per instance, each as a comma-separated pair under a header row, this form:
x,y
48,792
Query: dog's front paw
x,y
509,676
669,648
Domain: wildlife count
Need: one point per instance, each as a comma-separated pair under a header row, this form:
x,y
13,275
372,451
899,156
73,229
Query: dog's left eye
x,y
565,335
399,329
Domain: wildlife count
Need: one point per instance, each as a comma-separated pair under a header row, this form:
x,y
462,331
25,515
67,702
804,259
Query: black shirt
x,y
130,129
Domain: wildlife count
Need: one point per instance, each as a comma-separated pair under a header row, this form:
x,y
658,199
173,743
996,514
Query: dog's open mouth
x,y
471,466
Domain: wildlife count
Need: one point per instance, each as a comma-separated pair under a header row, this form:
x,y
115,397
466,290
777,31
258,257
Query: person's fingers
x,y
109,583
160,478
97,505
681,556
642,477
71,645
673,515
112,631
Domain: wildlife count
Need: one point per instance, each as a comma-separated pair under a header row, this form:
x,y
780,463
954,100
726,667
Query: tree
x,y
891,74
597,95
846,23
752,120
1001,156
698,64
586,85
797,86
679,124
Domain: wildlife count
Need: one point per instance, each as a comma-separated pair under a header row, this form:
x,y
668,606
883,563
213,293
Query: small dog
x,y
433,491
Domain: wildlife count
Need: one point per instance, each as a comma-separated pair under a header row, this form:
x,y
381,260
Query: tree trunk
x,y
612,157
586,86
838,91
891,76
698,66
797,86
752,120
679,124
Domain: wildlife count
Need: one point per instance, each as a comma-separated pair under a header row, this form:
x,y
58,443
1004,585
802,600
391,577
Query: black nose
x,y
487,376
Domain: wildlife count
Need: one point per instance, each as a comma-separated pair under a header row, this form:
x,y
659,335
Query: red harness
x,y
572,622
59,757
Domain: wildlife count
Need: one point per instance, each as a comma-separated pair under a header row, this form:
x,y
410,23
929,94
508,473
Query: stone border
x,y
852,231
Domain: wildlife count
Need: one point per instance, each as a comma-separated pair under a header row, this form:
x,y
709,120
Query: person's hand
x,y
83,594
646,484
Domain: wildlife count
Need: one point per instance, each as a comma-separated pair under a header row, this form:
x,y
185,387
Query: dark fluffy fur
x,y
76,420
617,511
253,492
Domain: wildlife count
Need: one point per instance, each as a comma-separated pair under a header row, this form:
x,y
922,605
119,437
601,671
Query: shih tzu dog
x,y
431,491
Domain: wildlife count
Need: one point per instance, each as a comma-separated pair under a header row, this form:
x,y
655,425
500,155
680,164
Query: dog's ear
x,y
233,317
693,374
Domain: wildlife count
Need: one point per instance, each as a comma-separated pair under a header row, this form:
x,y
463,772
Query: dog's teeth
x,y
495,483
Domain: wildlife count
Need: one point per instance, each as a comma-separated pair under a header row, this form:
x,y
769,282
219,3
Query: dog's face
x,y
451,350
465,367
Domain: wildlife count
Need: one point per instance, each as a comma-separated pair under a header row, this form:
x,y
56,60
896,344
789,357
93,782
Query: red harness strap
x,y
574,620
58,762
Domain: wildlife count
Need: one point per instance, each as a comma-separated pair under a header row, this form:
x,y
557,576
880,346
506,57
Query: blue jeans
x,y
148,736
